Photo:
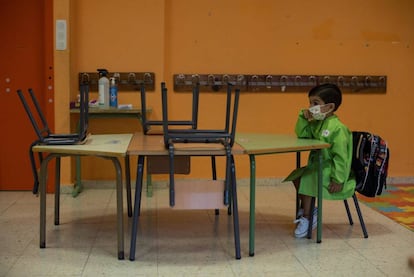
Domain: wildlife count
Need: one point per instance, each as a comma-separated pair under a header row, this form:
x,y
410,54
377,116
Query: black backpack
x,y
370,159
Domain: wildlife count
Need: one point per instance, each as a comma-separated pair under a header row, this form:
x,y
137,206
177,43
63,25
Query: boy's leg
x,y
299,209
296,183
306,205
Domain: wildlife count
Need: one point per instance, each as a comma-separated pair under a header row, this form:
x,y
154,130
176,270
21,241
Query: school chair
x,y
43,132
348,212
159,164
176,138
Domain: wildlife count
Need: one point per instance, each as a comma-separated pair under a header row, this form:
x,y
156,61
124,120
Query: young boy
x,y
319,122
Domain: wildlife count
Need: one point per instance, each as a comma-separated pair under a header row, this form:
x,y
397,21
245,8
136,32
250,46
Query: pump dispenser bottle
x,y
103,89
113,92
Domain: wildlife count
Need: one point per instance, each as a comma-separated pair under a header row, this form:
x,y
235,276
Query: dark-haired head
x,y
329,93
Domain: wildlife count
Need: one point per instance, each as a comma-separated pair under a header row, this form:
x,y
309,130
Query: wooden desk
x,y
266,144
112,147
153,145
96,112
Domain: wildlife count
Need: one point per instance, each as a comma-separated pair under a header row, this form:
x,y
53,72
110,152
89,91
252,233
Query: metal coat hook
x,y
312,79
147,78
180,79
240,79
132,78
195,78
226,79
283,82
84,78
354,82
269,81
210,79
368,81
340,80
255,82
117,77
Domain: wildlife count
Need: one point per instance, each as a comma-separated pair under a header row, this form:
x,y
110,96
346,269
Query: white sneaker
x,y
302,228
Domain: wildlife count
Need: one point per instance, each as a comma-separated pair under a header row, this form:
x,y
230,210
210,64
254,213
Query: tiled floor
x,y
195,243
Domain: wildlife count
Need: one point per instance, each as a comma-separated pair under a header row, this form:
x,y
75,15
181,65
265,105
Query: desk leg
x,y
119,205
319,227
57,190
149,184
252,220
137,204
42,189
78,183
235,209
128,185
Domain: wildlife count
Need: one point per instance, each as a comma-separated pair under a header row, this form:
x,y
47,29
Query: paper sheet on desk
x,y
295,174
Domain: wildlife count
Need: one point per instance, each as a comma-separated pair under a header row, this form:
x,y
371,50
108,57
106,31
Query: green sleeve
x,y
341,155
303,127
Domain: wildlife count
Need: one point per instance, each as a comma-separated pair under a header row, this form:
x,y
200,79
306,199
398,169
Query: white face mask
x,y
316,112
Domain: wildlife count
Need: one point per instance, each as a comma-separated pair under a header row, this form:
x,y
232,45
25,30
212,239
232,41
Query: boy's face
x,y
325,107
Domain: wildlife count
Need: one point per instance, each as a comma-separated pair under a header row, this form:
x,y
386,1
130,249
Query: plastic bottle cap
x,y
112,80
102,71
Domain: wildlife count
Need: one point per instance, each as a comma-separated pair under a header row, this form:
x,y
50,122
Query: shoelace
x,y
299,220
315,213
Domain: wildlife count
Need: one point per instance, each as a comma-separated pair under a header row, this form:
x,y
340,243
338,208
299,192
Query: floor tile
x,y
195,243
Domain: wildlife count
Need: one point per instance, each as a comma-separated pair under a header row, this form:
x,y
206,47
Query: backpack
x,y
370,159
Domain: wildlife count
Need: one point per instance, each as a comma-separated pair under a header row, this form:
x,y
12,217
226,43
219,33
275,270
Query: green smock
x,y
336,160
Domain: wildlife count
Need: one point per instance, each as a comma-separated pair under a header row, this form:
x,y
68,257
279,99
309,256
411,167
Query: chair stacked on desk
x,y
196,142
182,164
43,133
45,136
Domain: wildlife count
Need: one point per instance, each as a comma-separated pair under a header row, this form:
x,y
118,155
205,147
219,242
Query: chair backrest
x,y
146,124
83,111
38,119
225,135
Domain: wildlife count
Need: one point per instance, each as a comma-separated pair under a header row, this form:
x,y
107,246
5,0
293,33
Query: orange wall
x,y
255,37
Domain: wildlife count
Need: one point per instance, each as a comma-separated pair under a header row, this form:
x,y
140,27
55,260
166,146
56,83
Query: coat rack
x,y
127,81
279,83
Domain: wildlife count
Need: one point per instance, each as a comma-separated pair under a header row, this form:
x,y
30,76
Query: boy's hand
x,y
307,114
334,187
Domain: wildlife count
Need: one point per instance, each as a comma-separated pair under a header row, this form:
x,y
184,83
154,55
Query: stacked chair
x,y
176,139
43,133
45,136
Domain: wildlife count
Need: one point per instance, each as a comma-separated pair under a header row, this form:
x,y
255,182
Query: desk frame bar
x,y
252,220
42,184
105,114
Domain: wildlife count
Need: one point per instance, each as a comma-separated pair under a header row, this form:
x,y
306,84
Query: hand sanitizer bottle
x,y
113,92
103,89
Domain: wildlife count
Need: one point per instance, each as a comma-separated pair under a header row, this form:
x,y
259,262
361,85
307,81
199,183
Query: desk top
x,y
153,145
97,110
110,145
276,143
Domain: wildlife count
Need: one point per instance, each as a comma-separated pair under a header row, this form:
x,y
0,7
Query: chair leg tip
x,y
120,255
